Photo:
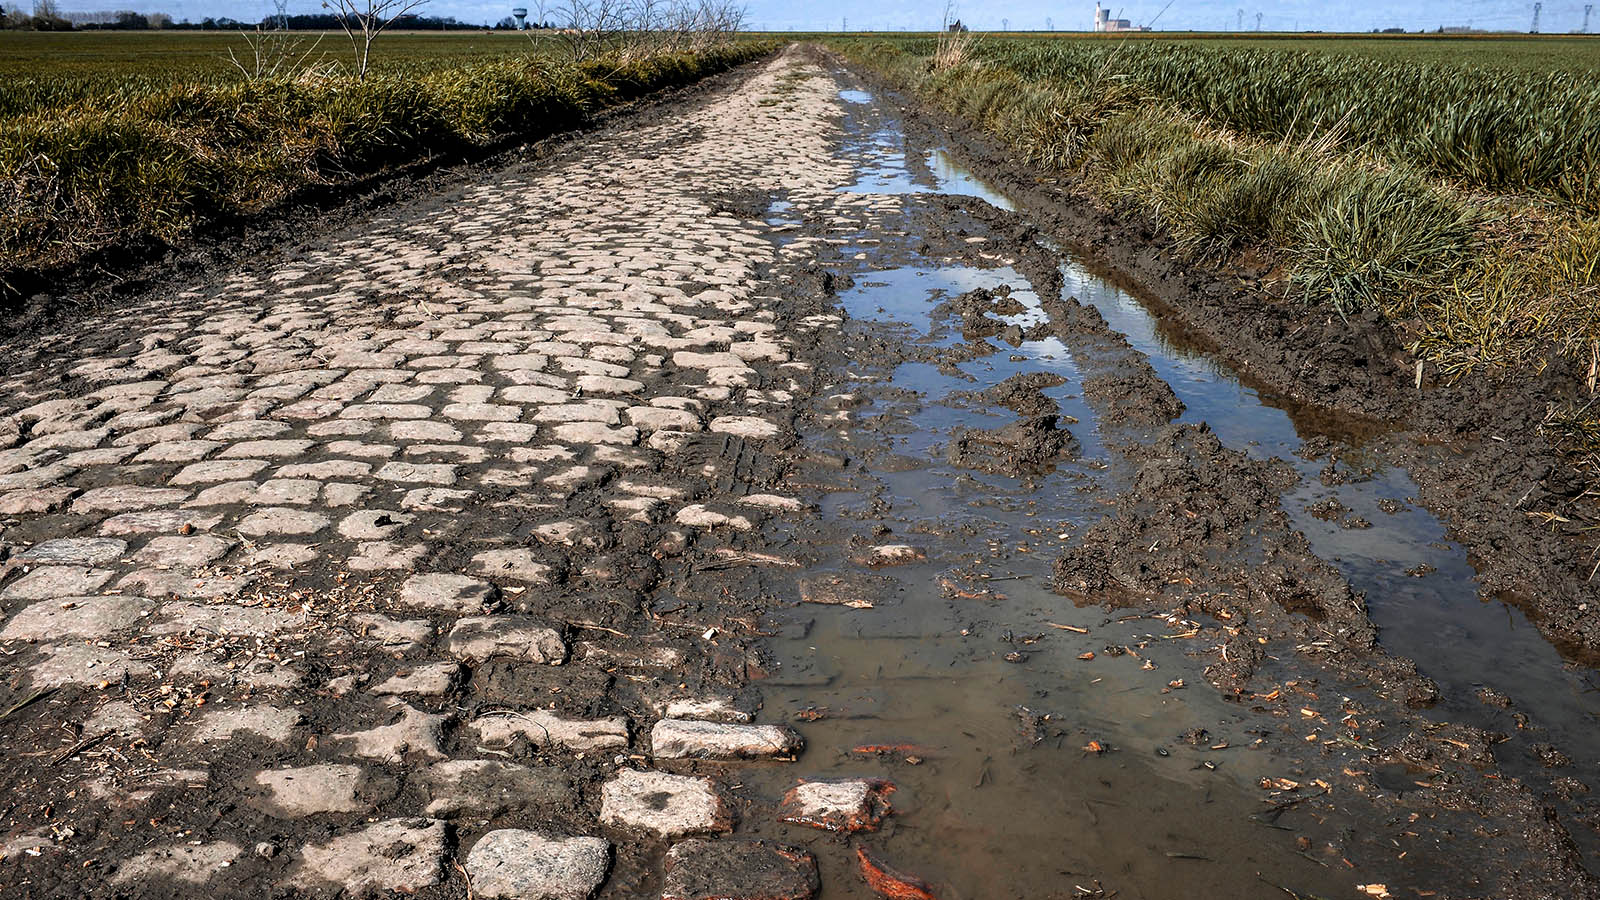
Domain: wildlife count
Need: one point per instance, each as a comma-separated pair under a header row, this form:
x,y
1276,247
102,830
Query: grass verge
x,y
139,172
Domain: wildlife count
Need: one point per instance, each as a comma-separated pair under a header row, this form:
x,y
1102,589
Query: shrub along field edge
x,y
1481,284
149,170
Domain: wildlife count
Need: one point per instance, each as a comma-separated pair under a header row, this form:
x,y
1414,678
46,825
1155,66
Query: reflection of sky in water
x,y
1438,620
883,169
907,296
954,178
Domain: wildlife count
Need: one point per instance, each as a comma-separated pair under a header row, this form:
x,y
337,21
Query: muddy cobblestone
x,y
381,473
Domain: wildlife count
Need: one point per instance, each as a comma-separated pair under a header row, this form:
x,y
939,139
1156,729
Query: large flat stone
x,y
76,617
517,565
188,863
395,855
311,790
160,521
181,552
81,551
694,739
50,582
526,865
669,806
270,722
447,593
543,728
427,680
164,583
224,619
482,638
410,733
84,664
846,805
267,522
126,498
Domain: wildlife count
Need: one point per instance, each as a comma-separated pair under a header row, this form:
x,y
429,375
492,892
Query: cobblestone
x,y
669,806
527,865
283,527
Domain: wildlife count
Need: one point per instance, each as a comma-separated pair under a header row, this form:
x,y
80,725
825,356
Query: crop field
x,y
46,70
1534,53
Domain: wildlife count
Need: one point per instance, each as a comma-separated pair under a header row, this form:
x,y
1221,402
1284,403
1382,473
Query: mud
x,y
1476,449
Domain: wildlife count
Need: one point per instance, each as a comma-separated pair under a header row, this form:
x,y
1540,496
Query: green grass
x,y
1578,54
147,164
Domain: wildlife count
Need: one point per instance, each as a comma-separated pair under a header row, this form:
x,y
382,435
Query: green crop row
x,y
1536,131
54,70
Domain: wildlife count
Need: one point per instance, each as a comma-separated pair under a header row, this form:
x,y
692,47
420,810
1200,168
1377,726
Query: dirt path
x,y
684,516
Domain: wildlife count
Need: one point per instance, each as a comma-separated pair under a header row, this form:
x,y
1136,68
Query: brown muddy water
x,y
976,672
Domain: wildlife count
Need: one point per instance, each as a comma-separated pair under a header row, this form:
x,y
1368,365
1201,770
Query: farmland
x,y
52,69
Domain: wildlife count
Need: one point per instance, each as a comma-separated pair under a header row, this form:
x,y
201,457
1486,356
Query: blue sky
x,y
891,15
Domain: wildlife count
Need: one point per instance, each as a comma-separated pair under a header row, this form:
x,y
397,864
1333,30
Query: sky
x,y
896,15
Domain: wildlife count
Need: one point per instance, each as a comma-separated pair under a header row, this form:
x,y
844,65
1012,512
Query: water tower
x,y
522,17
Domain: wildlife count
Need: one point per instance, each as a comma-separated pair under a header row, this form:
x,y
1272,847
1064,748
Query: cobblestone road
x,y
314,576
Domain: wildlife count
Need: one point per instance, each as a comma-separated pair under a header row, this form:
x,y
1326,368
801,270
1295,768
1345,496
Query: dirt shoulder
x,y
1475,449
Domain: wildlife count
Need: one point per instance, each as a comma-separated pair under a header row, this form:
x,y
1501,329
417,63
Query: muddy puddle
x,y
1420,585
1358,514
1046,750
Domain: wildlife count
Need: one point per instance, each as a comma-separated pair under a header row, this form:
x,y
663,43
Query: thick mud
x,y
1476,450
1214,537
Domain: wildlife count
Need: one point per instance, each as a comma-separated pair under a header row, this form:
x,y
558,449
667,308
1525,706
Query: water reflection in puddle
x,y
987,807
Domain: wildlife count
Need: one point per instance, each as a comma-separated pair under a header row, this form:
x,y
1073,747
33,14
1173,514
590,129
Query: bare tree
x,y
274,55
631,29
364,20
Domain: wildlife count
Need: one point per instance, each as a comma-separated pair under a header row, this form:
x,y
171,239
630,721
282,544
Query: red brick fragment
x,y
887,881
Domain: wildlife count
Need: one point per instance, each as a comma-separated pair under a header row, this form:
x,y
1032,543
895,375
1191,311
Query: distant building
x,y
1104,22
956,27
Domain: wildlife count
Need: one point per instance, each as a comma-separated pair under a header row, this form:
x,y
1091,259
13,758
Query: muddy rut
x,y
752,502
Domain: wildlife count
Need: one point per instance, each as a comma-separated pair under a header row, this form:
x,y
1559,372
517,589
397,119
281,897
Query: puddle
x,y
971,662
978,671
1457,637
889,166
995,791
